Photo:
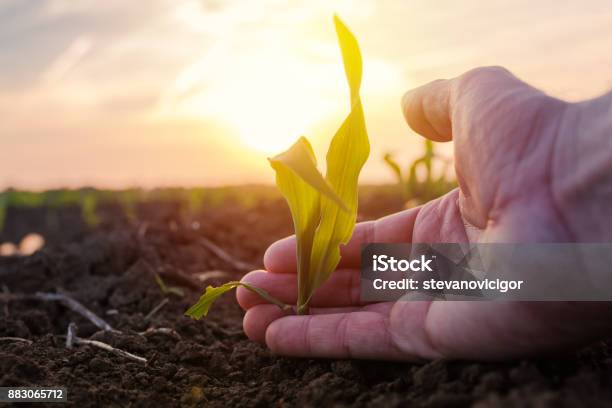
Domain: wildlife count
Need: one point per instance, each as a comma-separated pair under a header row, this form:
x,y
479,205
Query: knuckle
x,y
354,289
478,75
342,337
307,332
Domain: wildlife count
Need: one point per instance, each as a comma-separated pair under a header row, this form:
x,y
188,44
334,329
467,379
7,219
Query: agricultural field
x,y
485,281
137,260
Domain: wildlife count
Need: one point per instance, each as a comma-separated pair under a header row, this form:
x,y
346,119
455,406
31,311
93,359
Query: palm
x,y
505,135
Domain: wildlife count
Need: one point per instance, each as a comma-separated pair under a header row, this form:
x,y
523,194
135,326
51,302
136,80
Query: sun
x,y
275,102
267,99
275,112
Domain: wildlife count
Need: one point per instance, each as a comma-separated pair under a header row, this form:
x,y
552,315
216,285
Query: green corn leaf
x,y
319,254
301,161
301,184
165,289
351,56
211,294
324,209
394,166
348,152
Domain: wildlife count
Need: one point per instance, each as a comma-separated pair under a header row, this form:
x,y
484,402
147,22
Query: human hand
x,y
530,169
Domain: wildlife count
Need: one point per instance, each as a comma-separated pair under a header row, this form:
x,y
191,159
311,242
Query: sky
x,y
163,93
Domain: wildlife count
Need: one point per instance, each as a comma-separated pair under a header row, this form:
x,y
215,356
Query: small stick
x,y
156,309
204,276
77,307
161,330
108,347
67,301
72,330
16,339
236,263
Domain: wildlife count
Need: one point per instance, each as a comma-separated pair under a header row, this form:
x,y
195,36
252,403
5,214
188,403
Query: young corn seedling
x,y
417,190
324,209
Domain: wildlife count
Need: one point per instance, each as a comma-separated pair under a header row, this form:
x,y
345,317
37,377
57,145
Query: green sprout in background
x,y
89,204
324,209
420,184
3,206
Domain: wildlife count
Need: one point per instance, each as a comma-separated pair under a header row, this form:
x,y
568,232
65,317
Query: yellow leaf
x,y
211,294
348,152
301,184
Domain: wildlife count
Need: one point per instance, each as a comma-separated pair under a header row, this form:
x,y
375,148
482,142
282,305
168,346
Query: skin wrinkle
x,y
438,220
307,340
390,338
430,110
500,202
341,333
556,206
449,220
354,289
466,237
490,208
493,102
411,228
590,173
370,232
428,336
476,214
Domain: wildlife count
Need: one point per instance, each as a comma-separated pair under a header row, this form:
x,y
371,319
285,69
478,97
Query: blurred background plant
x,y
426,178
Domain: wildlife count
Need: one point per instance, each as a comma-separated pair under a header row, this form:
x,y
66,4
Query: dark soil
x,y
111,269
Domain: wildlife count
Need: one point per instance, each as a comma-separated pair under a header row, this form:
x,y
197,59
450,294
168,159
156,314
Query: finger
x,y
430,109
257,319
280,256
341,289
426,110
360,334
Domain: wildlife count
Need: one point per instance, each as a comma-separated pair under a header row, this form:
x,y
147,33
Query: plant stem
x,y
303,309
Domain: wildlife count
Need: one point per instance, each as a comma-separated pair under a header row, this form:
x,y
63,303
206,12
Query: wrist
x,y
581,169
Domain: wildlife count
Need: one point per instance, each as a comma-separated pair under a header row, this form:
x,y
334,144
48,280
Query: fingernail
x,y
406,99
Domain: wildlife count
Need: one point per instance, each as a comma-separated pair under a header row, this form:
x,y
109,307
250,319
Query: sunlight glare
x,y
268,98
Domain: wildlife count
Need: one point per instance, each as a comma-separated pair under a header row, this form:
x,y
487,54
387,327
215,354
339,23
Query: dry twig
x,y
72,338
156,309
66,300
71,334
19,339
161,330
218,251
77,307
108,347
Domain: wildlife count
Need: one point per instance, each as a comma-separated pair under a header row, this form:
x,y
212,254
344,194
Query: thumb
x,y
427,111
430,109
